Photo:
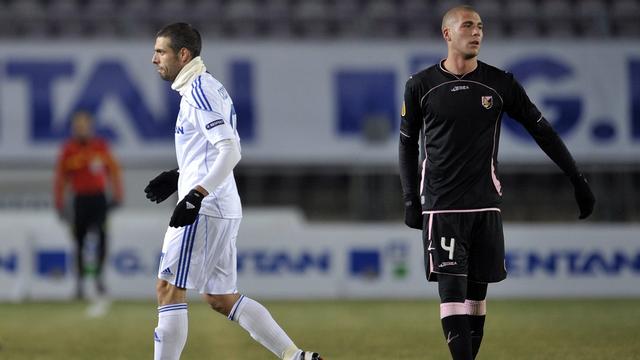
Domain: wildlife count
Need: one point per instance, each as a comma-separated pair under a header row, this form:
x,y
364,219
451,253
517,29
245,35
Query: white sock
x,y
257,320
171,334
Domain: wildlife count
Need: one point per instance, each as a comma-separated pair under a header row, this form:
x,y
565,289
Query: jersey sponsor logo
x,y
179,130
447,263
459,87
487,102
167,271
214,123
404,110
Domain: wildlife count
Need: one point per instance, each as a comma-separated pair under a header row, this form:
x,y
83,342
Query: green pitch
x,y
349,330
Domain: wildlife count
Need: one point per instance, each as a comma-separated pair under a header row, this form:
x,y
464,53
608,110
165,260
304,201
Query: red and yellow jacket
x,y
86,166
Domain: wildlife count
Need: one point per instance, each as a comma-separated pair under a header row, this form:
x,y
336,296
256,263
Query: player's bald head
x,y
452,14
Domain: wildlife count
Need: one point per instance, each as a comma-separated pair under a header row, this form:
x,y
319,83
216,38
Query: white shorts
x,y
201,256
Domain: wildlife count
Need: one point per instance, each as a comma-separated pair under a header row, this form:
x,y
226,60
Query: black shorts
x,y
469,244
89,210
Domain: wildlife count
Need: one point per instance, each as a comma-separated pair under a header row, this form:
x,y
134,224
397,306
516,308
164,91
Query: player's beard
x,y
470,55
170,72
168,75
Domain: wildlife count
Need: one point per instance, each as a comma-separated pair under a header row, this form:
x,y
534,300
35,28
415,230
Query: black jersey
x,y
459,120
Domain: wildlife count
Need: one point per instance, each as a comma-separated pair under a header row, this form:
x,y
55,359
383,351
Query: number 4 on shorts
x,y
450,247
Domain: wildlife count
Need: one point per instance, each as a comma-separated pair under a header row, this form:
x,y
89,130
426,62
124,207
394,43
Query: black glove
x,y
413,212
187,209
584,196
162,186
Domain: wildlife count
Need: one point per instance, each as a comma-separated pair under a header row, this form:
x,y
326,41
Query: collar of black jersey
x,y
454,76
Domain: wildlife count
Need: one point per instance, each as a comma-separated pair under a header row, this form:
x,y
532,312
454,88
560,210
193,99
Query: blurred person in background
x,y
456,107
88,166
199,248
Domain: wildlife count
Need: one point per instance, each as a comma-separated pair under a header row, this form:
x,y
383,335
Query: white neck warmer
x,y
188,73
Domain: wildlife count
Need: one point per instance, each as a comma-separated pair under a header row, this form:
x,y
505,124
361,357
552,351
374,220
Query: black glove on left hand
x,y
413,217
187,209
584,196
162,186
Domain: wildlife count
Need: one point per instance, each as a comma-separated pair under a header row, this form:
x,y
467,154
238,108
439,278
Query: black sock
x,y
476,325
457,334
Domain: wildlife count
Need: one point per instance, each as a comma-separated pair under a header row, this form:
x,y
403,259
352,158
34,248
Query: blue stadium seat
x,y
422,19
206,16
279,13
383,19
348,18
626,16
558,18
243,17
492,15
594,18
522,17
311,18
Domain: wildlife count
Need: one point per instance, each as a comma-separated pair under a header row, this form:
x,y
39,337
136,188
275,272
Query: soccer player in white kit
x,y
199,249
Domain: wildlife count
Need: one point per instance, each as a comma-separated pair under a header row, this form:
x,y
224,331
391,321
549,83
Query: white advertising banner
x,y
282,256
310,103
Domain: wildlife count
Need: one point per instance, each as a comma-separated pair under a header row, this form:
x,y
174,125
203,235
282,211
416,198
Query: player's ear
x,y
445,34
185,55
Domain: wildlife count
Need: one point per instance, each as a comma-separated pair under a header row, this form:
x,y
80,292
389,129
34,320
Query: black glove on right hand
x,y
187,210
584,196
162,186
413,217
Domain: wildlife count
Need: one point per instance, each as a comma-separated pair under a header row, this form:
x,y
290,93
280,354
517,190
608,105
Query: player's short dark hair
x,y
454,10
182,35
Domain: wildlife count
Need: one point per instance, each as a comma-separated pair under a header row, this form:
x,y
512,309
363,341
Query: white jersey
x,y
206,117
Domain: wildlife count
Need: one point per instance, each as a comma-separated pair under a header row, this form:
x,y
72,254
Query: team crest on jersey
x,y
487,102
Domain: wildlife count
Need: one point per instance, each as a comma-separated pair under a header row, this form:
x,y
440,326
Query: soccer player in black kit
x,y
456,106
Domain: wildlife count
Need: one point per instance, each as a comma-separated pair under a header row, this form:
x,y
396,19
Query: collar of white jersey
x,y
189,72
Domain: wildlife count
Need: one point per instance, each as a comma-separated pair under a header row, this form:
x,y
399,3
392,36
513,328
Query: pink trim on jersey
x,y
424,169
475,307
459,211
430,262
452,308
494,177
430,225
